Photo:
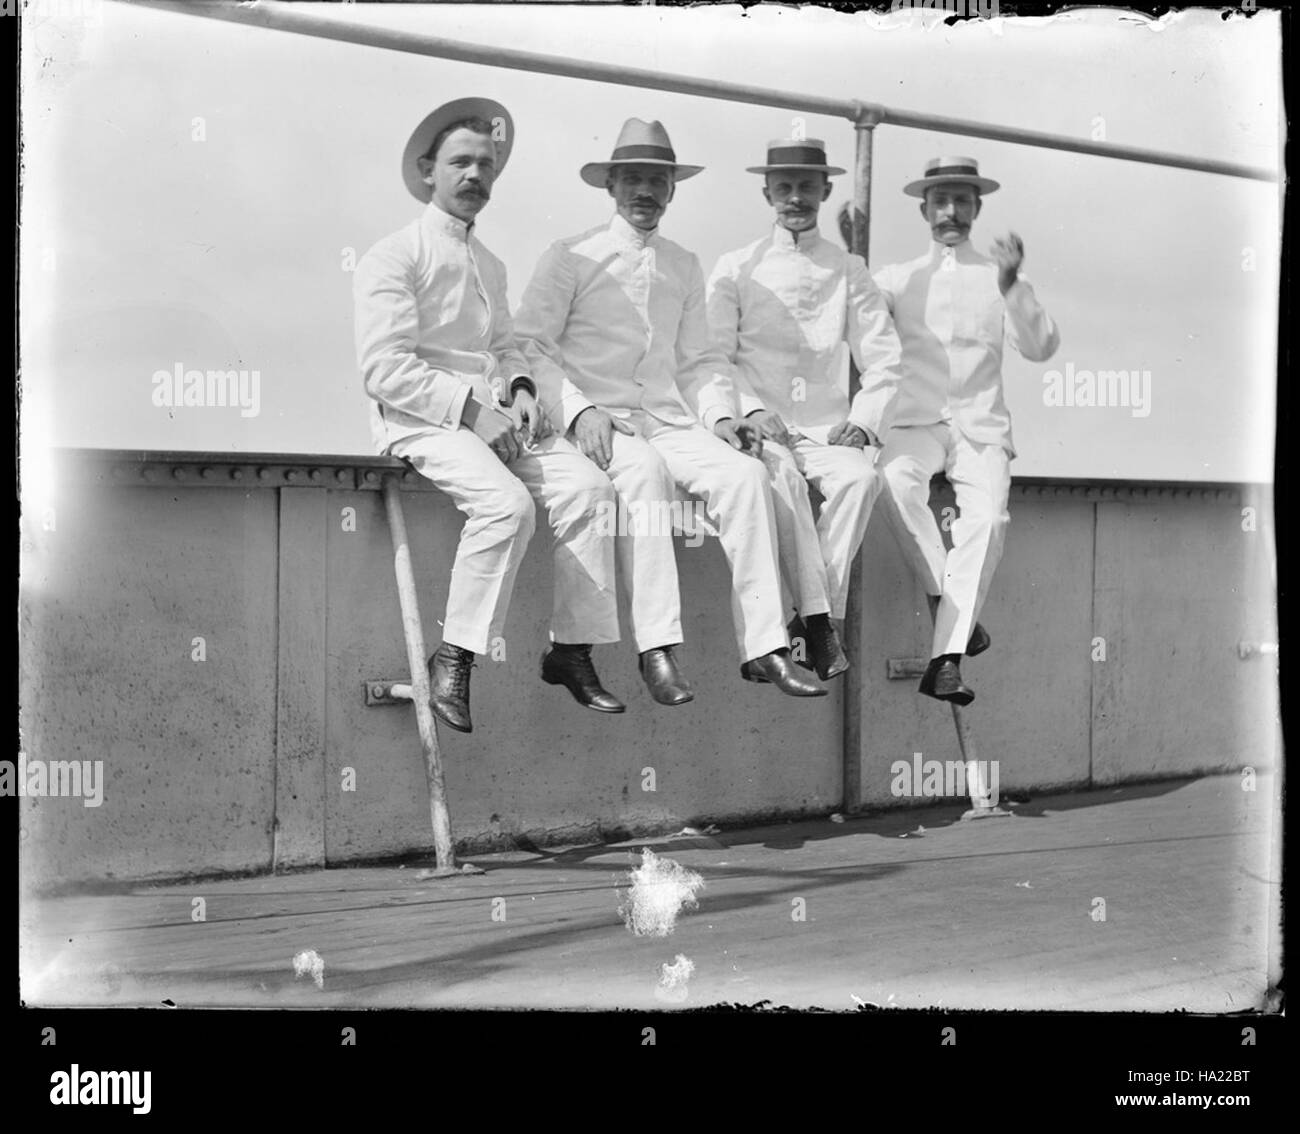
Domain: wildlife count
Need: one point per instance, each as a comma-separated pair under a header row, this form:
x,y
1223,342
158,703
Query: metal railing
x,y
291,18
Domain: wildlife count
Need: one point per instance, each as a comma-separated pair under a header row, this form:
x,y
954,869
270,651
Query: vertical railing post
x,y
863,130
417,659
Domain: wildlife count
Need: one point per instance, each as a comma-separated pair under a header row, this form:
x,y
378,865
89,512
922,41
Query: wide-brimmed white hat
x,y
950,171
503,133
640,143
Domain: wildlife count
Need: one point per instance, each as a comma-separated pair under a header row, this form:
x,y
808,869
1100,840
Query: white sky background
x,y
143,248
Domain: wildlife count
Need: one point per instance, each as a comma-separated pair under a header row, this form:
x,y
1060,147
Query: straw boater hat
x,y
642,143
950,171
438,121
796,153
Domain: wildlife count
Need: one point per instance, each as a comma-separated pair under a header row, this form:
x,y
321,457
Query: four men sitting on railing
x,y
624,383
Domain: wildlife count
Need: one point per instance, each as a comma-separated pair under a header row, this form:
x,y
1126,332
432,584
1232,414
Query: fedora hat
x,y
642,143
424,134
796,153
950,171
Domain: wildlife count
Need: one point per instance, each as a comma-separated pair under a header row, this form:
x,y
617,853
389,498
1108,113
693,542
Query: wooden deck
x,y
903,909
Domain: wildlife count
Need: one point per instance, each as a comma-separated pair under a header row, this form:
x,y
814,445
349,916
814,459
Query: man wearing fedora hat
x,y
452,394
782,309
953,308
615,327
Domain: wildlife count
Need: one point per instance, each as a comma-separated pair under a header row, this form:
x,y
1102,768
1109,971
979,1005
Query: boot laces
x,y
458,671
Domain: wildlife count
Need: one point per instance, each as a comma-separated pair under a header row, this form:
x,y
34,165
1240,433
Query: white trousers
x,y
817,554
646,470
981,479
497,500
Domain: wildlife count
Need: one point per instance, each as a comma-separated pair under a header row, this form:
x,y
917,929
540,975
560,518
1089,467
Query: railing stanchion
x,y
861,243
417,658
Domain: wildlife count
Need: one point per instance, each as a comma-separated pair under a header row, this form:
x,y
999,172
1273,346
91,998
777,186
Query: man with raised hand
x,y
783,309
954,307
615,328
452,394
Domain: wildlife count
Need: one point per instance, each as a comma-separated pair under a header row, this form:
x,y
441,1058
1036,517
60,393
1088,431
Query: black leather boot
x,y
571,666
942,681
800,650
449,686
824,647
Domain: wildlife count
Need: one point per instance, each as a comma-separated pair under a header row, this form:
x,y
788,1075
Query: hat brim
x,y
829,170
595,173
423,135
918,188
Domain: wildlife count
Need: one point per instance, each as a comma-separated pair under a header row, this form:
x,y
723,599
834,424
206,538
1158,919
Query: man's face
x,y
641,193
950,210
462,173
796,195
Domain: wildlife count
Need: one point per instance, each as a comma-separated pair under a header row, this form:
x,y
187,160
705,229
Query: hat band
x,y
651,153
796,155
948,170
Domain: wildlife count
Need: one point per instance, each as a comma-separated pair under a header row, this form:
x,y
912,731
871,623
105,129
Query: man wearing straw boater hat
x,y
452,394
783,309
614,324
953,308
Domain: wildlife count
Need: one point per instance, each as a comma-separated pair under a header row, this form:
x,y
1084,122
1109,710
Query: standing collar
x,y
782,237
442,221
629,233
963,251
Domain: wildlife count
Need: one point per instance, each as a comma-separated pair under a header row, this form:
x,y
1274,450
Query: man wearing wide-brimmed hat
x,y
452,394
614,325
953,308
783,309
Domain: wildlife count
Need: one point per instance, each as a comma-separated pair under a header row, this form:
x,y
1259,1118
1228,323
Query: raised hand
x,y
1009,251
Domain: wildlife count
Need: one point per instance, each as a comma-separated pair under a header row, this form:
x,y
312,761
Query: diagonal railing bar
x,y
279,16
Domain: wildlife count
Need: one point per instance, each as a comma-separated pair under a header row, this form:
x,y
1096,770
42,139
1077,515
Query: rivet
x,y
236,474
291,474
341,475
178,473
314,474
264,474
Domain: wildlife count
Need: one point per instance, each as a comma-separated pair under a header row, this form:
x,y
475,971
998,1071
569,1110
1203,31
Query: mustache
x,y
473,191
